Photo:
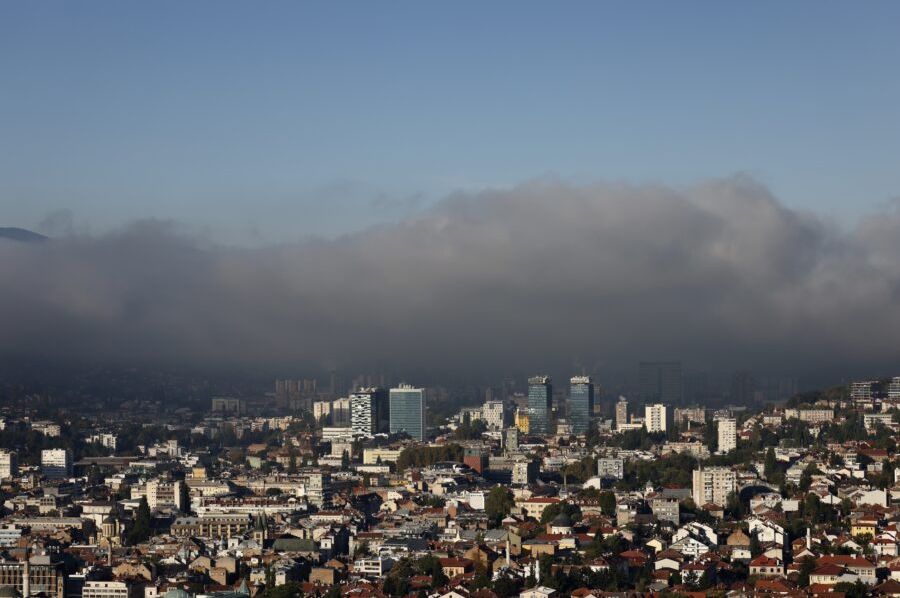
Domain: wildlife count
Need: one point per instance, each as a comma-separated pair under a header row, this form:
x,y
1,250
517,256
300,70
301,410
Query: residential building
x,y
611,468
656,418
863,390
9,464
713,485
621,413
893,391
727,431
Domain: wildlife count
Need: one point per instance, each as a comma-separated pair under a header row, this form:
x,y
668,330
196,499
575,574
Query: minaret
x,y
26,572
507,549
808,539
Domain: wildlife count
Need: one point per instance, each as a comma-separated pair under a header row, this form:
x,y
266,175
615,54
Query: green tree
x,y
498,503
608,503
142,529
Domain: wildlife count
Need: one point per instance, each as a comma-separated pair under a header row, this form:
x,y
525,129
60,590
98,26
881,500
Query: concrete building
x,y
111,589
656,418
713,485
9,464
364,410
56,463
524,472
863,390
621,413
727,431
611,468
495,415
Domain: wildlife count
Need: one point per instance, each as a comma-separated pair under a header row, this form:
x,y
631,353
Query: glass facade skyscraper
x,y
540,401
407,411
581,403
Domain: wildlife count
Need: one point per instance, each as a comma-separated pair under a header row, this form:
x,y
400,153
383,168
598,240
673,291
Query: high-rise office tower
x,y
621,412
727,428
656,418
661,382
407,411
540,400
581,403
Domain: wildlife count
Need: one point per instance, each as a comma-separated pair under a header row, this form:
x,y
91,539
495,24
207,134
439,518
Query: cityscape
x,y
506,299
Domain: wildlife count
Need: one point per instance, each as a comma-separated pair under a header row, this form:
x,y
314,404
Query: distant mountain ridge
x,y
20,234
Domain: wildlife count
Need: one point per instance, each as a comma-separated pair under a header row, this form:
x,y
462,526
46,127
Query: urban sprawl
x,y
541,491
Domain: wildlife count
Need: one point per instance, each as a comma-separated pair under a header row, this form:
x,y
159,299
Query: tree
x,y
608,503
142,528
755,548
345,461
498,503
734,505
807,566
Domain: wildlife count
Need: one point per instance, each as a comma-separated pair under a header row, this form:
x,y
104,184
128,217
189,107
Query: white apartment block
x,y
894,388
493,413
655,417
56,463
107,440
110,589
814,416
713,485
727,429
871,420
862,390
9,465
162,494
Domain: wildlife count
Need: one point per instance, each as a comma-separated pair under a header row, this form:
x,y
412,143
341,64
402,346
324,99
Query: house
x,y
539,592
764,566
826,574
453,567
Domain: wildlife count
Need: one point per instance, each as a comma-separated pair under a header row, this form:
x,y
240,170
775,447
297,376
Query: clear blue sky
x,y
267,121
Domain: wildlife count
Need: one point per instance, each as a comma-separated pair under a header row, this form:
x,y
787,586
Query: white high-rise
x,y
713,485
727,428
364,413
655,418
9,465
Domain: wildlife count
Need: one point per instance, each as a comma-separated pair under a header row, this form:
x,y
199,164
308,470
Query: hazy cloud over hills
x,y
534,277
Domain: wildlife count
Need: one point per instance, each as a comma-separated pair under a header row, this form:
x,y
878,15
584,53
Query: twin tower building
x,y
375,410
579,408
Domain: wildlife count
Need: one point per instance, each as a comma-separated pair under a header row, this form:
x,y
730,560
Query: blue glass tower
x,y
581,403
540,401
407,412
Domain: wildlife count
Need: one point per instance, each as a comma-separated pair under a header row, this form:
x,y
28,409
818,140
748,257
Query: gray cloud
x,y
534,277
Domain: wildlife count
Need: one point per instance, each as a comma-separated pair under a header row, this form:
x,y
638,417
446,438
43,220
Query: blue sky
x,y
269,121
